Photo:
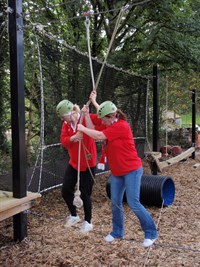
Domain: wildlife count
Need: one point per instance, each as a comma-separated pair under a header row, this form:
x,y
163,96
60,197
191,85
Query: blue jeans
x,y
130,183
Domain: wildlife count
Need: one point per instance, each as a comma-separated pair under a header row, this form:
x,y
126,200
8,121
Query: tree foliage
x,y
148,32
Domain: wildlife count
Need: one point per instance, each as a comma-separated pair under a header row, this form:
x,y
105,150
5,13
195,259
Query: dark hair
x,y
121,115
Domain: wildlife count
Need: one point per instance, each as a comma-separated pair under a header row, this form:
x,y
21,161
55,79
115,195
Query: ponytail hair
x,y
76,108
121,115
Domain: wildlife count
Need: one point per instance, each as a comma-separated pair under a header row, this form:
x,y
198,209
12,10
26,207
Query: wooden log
x,y
171,161
154,157
10,206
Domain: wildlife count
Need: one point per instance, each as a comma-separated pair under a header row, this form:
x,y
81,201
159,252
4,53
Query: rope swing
x,y
77,199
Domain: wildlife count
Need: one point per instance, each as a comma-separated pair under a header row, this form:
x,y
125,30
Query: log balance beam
x,y
10,206
154,157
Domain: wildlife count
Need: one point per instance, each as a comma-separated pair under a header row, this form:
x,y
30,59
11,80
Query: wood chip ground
x,y
50,244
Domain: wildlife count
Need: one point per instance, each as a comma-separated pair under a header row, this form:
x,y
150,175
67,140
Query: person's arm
x,y
93,97
88,120
97,135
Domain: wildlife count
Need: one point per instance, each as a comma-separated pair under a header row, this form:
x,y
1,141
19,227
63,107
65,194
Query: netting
x,y
66,74
53,71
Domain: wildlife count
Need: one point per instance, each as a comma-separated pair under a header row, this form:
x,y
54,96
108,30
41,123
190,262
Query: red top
x,y
88,147
120,150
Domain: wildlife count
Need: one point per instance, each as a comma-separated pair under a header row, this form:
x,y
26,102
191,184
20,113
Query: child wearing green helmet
x,y
69,137
125,165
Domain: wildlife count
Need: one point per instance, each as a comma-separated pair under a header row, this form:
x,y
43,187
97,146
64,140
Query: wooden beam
x,y
154,157
162,164
10,206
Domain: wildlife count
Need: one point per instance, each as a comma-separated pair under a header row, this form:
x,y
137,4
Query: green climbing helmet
x,y
106,108
64,107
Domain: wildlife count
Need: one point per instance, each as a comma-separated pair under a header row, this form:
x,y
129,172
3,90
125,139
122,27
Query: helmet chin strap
x,y
73,124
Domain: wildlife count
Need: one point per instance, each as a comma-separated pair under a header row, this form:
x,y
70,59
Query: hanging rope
x,y
122,10
87,25
42,145
166,133
77,199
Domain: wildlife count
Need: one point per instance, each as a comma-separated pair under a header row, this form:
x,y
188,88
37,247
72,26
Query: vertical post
x,y
155,115
16,39
193,120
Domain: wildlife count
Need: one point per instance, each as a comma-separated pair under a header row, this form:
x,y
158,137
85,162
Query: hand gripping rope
x,y
77,199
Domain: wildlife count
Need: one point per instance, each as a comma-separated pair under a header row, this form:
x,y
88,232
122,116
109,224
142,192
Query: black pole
x,y
155,114
193,120
16,39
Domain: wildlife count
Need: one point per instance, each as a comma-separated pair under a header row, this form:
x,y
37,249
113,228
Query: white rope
x,y
42,111
87,25
166,133
111,42
77,195
149,249
146,111
77,199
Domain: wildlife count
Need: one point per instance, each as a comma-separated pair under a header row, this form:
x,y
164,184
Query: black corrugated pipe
x,y
154,190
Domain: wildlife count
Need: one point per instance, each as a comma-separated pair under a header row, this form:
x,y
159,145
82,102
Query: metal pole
x,y
155,115
193,120
16,39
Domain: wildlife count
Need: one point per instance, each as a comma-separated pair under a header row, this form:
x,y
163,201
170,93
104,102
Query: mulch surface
x,y
50,244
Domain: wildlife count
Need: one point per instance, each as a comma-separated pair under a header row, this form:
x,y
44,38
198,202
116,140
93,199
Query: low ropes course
x,y
11,206
19,205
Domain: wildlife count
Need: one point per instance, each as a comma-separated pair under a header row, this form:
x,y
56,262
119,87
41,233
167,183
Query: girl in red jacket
x,y
69,138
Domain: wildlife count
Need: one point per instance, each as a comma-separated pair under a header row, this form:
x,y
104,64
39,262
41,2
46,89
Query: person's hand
x,y
93,96
80,127
77,137
85,109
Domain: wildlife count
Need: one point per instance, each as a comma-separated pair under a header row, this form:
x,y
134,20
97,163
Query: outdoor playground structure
x,y
127,91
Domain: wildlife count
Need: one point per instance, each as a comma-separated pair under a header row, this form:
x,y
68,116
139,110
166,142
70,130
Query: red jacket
x,y
120,149
88,147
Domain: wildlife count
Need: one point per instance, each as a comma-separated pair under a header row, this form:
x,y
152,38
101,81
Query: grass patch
x,y
187,119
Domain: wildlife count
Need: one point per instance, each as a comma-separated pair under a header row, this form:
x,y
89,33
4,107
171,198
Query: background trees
x,y
162,32
150,31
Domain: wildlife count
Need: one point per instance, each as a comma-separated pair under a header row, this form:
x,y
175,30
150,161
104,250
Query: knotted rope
x,y
77,199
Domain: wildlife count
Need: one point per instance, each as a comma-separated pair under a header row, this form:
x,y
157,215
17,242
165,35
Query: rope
x,y
146,123
111,42
166,133
42,145
87,25
77,199
149,249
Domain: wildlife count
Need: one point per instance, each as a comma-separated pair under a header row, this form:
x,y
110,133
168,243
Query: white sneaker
x,y
148,242
86,227
109,238
72,220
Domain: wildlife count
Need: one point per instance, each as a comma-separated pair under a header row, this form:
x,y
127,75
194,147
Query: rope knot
x,y
77,200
